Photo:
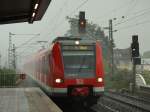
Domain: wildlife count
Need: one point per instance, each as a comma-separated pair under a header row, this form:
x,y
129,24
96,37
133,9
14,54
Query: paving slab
x,y
26,100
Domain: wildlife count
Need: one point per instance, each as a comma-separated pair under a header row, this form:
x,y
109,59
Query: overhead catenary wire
x,y
129,10
32,38
131,7
62,21
81,5
77,8
140,11
132,18
55,17
29,40
134,25
24,51
119,8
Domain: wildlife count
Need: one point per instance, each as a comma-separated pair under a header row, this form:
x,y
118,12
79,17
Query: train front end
x,y
81,72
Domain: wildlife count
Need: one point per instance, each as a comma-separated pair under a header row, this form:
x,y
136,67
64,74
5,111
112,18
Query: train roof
x,y
71,39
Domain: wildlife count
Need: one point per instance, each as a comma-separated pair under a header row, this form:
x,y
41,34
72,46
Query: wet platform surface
x,y
25,100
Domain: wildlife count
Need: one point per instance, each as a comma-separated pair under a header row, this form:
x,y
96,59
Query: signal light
x,y
82,22
135,46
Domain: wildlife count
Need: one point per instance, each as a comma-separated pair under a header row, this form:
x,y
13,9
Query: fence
x,y
8,80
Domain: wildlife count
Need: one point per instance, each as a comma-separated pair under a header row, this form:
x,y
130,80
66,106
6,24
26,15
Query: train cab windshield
x,y
79,61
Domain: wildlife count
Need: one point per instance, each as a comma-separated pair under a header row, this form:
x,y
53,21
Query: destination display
x,y
77,47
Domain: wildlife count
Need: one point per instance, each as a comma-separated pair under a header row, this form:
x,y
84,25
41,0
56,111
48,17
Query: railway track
x,y
135,98
73,106
100,107
144,92
114,102
117,102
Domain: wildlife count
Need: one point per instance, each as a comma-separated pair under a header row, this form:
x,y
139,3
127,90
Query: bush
x,y
120,79
146,75
7,78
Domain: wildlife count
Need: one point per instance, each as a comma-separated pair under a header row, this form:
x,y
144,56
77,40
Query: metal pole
x,y
14,57
0,61
111,45
134,77
142,67
10,52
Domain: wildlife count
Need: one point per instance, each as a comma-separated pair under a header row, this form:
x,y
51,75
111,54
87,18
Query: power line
x,y
56,16
131,7
23,34
134,25
62,21
23,51
26,42
81,5
40,30
143,10
132,18
124,5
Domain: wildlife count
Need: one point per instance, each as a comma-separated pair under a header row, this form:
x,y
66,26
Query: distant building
x,y
145,64
122,58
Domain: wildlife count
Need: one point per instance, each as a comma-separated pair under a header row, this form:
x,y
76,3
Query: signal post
x,y
135,59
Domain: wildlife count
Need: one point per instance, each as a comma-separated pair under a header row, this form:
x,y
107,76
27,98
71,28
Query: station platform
x,y
26,100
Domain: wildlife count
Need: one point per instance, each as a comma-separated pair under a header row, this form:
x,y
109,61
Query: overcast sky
x,y
136,21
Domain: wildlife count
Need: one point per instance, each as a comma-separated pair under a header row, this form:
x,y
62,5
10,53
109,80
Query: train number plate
x,y
80,81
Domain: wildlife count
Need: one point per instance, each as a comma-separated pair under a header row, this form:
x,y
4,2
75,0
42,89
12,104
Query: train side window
x,y
39,66
43,65
48,63
46,66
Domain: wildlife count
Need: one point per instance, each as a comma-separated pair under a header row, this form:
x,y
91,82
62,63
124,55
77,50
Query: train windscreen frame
x,y
79,61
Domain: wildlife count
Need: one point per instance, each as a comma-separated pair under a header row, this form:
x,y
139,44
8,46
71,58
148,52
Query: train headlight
x,y
77,42
99,79
58,80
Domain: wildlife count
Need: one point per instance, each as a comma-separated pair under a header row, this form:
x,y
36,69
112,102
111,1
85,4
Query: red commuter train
x,y
69,68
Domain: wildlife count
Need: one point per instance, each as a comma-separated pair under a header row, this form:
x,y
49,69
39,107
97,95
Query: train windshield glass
x,y
79,63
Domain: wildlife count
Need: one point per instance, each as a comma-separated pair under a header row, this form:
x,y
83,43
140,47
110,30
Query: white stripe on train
x,y
64,90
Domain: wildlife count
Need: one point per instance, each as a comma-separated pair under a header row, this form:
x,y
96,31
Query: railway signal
x,y
135,58
135,50
135,46
82,22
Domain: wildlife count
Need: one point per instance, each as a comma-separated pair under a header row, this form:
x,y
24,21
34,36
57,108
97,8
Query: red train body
x,y
70,67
